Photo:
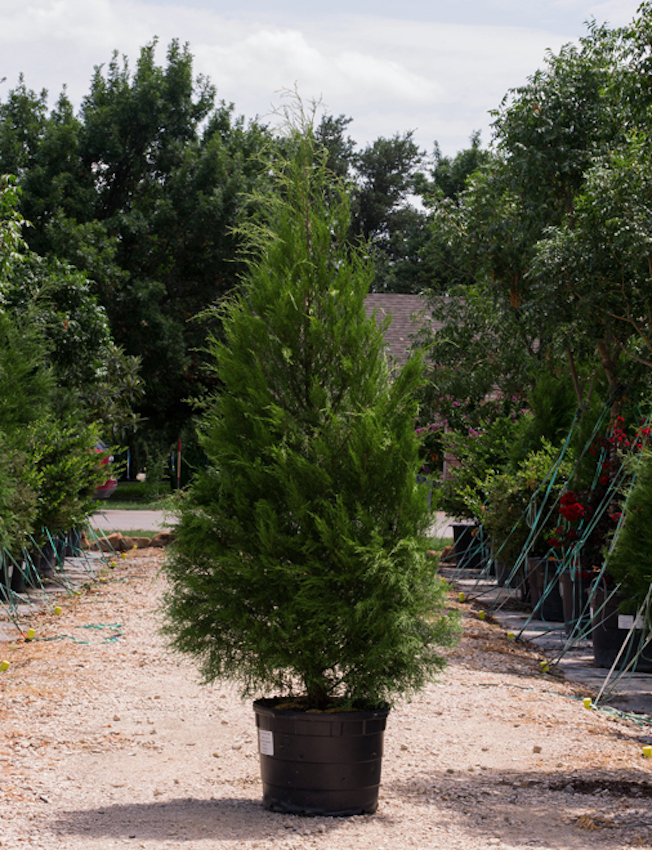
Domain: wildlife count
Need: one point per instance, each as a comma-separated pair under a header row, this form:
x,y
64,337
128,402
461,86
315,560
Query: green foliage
x,y
481,452
450,174
520,500
66,470
600,259
386,172
548,135
138,495
300,558
49,466
141,192
51,334
552,404
26,383
84,359
630,561
341,148
11,223
477,351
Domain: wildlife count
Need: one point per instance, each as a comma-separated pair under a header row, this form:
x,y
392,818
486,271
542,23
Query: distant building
x,y
409,314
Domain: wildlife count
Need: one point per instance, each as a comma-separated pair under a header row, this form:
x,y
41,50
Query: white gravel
x,y
114,743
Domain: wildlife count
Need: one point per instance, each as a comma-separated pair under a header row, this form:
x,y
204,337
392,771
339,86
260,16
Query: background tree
x,y
548,134
140,192
49,467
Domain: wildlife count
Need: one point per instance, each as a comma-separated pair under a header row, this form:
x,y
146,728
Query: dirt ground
x,y
107,740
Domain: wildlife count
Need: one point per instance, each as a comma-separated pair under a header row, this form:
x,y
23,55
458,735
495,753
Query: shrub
x,y
300,555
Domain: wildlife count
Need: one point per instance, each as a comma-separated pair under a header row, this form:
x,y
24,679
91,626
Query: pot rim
x,y
265,705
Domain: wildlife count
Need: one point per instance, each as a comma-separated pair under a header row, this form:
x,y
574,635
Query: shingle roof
x,y
409,313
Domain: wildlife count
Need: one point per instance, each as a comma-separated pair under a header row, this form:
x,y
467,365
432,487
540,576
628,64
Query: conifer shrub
x,y
299,565
630,561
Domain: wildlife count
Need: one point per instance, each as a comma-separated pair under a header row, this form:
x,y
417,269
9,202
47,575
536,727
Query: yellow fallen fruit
x,y
30,634
57,610
647,751
461,597
588,702
4,665
481,615
510,636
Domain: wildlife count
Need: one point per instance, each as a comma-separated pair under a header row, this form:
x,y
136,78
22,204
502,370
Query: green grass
x,y
439,543
132,532
137,496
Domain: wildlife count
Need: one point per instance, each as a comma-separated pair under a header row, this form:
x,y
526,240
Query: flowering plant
x,y
511,496
588,516
430,437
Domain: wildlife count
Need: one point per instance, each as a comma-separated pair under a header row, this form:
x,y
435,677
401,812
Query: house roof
x,y
409,313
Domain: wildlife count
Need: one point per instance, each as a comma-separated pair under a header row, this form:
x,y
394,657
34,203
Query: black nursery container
x,y
320,763
544,589
609,634
469,546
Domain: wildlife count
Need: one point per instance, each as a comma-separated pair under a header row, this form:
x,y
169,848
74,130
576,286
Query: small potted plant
x,y
299,567
517,518
477,452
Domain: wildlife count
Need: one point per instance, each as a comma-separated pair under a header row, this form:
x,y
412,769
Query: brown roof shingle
x,y
409,313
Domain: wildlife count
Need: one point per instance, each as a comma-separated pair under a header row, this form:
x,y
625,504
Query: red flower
x,y
570,508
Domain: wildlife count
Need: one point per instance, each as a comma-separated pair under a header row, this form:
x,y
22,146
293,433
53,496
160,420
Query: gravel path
x,y
106,740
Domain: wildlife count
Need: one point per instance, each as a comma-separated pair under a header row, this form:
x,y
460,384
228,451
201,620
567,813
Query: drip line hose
x,y
35,596
116,628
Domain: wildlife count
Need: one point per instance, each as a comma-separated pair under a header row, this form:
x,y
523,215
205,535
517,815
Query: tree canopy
x,y
550,232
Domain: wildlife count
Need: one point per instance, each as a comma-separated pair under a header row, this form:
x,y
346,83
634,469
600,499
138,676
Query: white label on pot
x,y
626,621
265,742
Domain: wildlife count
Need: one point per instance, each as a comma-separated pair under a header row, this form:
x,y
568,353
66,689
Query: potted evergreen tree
x,y
299,566
629,565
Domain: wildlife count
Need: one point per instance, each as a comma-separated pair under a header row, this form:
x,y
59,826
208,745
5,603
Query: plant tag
x,y
265,742
626,621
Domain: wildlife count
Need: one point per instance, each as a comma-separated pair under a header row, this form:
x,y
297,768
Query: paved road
x,y
111,520
108,520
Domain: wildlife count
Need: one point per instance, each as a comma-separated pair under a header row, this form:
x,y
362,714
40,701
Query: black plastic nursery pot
x,y
574,587
11,577
610,630
45,560
544,589
320,763
517,581
469,546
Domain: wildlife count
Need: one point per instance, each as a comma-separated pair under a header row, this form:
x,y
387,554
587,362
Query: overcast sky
x,y
433,66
